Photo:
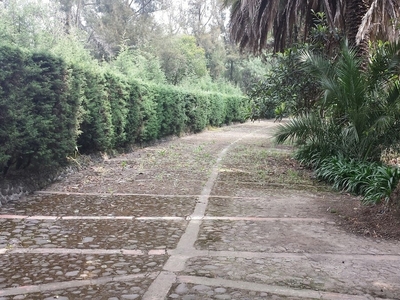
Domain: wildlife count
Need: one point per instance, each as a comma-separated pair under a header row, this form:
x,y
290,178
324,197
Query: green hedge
x,y
38,116
49,109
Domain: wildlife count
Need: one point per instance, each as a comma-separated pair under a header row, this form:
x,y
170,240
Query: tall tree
x,y
181,59
111,23
30,24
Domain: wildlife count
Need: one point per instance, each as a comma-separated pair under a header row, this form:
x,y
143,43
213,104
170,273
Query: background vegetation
x,y
84,76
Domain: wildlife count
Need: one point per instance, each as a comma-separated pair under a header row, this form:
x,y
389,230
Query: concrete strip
x,y
152,195
189,237
12,217
20,290
250,255
160,287
186,243
288,219
160,218
145,195
191,218
134,252
70,284
239,254
181,254
82,251
184,248
176,262
276,290
112,194
97,218
367,257
52,218
92,218
157,252
201,205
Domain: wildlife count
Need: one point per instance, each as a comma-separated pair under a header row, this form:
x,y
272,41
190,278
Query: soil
x,y
381,221
377,221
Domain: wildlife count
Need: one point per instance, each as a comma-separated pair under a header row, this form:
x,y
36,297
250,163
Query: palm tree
x,y
360,109
253,20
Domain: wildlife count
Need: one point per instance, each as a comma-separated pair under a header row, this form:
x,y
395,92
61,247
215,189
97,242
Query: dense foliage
x,y
357,117
37,114
49,108
374,181
284,85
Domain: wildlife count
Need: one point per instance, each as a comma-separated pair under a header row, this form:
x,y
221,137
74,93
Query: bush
x,y
236,109
38,119
13,106
134,115
53,112
285,82
118,94
96,128
170,110
196,109
218,105
149,122
49,109
374,181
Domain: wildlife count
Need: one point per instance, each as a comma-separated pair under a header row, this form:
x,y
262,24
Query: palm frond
x,y
299,128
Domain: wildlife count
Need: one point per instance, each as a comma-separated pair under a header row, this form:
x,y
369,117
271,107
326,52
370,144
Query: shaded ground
x,y
377,221
225,214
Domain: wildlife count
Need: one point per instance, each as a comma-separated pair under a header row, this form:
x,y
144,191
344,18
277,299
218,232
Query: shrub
x,y
170,110
284,82
196,109
357,117
49,108
13,104
38,119
374,181
96,128
218,105
118,93
236,108
134,115
149,123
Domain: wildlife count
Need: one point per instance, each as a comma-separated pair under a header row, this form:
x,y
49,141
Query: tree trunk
x,y
356,9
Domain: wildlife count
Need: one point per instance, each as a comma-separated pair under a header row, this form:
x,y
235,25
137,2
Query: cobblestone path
x,y
207,216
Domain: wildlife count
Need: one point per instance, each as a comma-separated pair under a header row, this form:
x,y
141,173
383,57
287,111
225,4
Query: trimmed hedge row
x,y
49,109
37,109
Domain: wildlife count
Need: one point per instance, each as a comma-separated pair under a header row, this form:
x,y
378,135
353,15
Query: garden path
x,y
215,215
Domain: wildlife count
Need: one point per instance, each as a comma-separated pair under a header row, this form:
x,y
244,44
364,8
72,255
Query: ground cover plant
x,y
374,181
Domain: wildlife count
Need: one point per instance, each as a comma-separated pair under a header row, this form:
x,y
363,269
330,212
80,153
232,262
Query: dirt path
x,y
217,215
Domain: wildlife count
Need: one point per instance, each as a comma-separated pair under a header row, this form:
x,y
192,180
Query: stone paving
x,y
207,216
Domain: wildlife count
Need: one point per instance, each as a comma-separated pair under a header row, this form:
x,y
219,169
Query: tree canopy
x,y
290,21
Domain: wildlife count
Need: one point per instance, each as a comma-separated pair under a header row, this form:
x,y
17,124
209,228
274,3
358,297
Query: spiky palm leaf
x,y
367,117
252,21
